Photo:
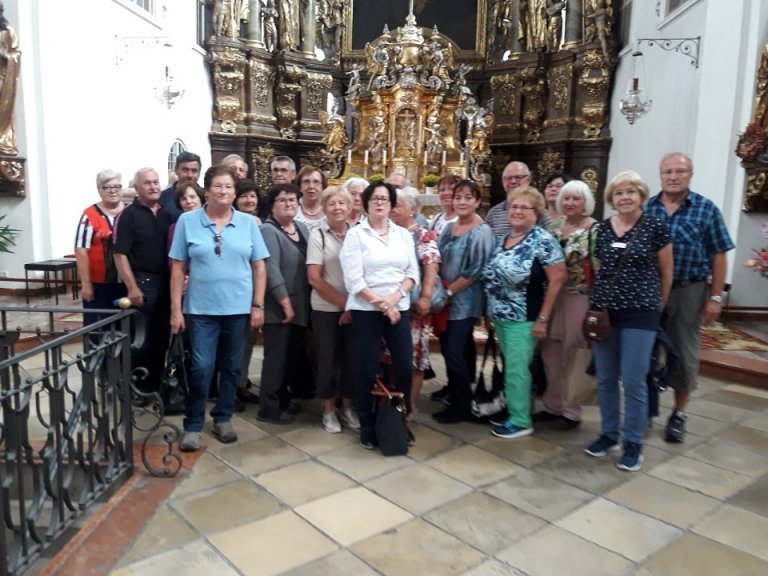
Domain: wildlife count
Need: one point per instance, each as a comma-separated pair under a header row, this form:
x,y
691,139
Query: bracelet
x,y
259,306
542,319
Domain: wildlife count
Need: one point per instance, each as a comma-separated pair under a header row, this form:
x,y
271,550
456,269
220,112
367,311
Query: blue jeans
x,y
459,367
370,327
207,334
626,355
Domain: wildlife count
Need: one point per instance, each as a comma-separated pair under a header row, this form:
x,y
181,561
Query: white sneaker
x,y
331,423
349,419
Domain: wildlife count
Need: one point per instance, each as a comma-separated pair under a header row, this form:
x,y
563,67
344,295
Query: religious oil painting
x,y
457,19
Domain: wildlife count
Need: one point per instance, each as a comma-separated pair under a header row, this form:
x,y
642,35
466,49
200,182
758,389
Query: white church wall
x,y
90,104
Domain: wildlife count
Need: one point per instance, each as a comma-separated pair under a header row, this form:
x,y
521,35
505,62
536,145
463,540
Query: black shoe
x,y
675,432
282,418
564,424
293,409
545,416
438,395
449,416
246,396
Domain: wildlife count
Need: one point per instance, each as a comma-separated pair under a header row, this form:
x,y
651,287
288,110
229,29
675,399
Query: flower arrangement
x,y
376,177
430,180
751,142
760,261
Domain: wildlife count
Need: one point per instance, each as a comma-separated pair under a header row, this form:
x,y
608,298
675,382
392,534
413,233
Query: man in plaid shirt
x,y
700,241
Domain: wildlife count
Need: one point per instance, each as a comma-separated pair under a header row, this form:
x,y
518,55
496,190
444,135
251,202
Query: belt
x,y
685,282
150,276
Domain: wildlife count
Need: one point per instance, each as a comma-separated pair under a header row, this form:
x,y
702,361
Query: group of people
x,y
340,280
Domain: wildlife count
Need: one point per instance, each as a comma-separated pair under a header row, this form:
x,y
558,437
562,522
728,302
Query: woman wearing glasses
x,y
223,253
287,305
465,246
93,247
378,260
522,280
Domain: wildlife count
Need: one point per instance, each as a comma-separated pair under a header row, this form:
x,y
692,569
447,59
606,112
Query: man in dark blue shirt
x,y
187,171
700,241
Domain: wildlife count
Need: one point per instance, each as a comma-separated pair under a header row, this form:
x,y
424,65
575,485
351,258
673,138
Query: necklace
x,y
306,211
512,235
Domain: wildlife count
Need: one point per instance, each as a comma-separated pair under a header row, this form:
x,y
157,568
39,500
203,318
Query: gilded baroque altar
x,y
522,80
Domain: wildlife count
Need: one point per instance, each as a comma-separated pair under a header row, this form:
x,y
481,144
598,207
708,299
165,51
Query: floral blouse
x,y
514,278
576,250
427,251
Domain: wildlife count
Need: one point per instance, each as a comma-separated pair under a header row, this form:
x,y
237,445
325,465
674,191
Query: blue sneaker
x,y
632,460
509,430
601,446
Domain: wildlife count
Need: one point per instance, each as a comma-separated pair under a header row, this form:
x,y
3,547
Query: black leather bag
x,y
390,426
173,386
489,401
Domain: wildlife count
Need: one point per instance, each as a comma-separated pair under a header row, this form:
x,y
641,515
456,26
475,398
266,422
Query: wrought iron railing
x,y
69,408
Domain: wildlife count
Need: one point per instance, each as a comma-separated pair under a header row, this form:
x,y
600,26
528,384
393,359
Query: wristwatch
x,y
449,293
716,298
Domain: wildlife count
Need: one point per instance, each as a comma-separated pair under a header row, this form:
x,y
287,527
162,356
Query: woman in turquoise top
x,y
522,279
465,246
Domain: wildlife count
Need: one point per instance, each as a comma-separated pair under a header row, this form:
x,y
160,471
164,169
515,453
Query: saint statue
x,y
289,23
761,91
10,60
227,15
532,32
334,136
555,24
269,14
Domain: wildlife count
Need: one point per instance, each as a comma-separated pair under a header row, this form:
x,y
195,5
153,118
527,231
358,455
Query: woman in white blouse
x,y
380,270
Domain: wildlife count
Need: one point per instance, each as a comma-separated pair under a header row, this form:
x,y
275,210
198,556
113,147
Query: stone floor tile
x,y
209,471
484,522
693,555
418,488
430,442
741,389
739,400
273,545
557,551
753,497
731,456
659,499
595,475
246,432
528,451
464,431
736,527
474,466
314,440
717,411
360,464
539,494
165,531
226,506
342,563
416,549
257,456
195,559
756,440
489,568
758,422
629,533
302,482
352,515
701,477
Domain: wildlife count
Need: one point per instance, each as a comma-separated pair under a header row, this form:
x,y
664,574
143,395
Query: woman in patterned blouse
x,y
522,280
576,204
633,282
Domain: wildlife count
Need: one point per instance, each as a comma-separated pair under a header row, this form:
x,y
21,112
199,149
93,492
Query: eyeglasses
x,y
286,201
518,207
112,187
379,199
515,177
217,247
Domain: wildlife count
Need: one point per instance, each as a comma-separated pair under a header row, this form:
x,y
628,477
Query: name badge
x,y
621,245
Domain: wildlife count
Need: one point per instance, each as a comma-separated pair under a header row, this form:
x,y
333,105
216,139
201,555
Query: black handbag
x,y
390,426
173,386
489,401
